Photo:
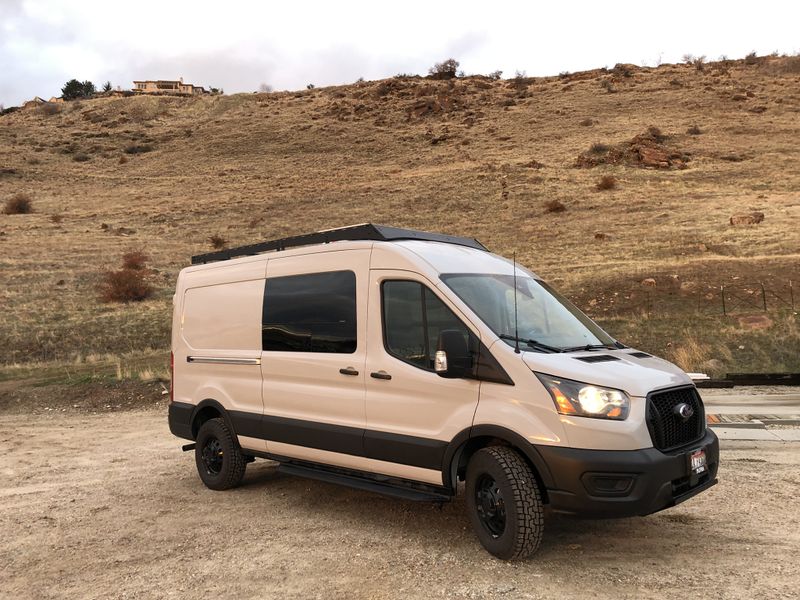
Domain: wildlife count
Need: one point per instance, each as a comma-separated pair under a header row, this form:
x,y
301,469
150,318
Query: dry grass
x,y
260,166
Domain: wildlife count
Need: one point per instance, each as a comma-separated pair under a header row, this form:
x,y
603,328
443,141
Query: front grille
x,y
668,429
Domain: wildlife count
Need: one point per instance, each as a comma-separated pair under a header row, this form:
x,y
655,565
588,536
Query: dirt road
x,y
106,506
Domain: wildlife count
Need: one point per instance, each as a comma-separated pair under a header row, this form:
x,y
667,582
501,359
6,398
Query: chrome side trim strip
x,y
222,360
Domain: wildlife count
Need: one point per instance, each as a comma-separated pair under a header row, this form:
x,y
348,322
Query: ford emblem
x,y
684,411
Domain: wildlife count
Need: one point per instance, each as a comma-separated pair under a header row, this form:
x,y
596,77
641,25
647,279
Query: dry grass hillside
x,y
616,185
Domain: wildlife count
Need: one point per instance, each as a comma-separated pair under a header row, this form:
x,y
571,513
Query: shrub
x,y
56,218
694,130
698,62
599,148
135,259
218,242
608,86
751,59
123,159
495,75
81,157
125,285
554,206
586,123
447,69
607,182
18,204
49,109
128,284
138,148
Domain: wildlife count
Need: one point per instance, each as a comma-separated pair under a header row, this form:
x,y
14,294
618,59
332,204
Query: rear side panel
x,y
216,338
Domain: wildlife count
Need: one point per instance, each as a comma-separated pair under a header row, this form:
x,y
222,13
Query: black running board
x,y
360,483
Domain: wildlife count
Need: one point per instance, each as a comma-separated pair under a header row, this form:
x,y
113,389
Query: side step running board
x,y
361,483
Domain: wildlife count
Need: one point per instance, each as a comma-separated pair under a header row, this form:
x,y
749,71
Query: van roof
x,y
364,231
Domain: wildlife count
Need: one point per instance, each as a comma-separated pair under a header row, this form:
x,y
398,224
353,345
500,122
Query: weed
x,y
128,284
554,206
135,260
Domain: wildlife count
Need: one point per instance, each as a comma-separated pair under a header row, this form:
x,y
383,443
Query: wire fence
x,y
729,299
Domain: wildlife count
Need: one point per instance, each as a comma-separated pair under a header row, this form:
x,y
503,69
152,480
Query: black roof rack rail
x,y
365,231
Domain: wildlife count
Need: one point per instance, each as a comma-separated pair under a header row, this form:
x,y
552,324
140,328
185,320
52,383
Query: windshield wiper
x,y
590,347
530,342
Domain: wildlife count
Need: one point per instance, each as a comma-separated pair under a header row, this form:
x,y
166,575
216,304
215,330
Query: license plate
x,y
697,462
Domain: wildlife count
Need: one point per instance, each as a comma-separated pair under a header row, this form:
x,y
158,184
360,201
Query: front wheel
x,y
220,463
504,503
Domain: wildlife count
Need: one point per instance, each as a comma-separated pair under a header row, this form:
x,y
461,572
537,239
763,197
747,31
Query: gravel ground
x,y
107,506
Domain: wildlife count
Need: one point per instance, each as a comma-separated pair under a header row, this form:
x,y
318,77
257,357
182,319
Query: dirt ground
x,y
107,506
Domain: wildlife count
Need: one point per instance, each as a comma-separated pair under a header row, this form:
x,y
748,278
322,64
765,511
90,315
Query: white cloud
x,y
239,44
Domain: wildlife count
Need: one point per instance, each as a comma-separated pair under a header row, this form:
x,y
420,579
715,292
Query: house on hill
x,y
164,86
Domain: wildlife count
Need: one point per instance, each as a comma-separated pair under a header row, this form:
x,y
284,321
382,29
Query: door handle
x,y
380,375
348,371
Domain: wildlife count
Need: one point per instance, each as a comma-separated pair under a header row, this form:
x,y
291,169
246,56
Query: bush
x,y
49,109
218,242
135,259
138,148
18,204
554,206
130,283
607,182
444,70
694,130
81,157
495,75
751,59
599,148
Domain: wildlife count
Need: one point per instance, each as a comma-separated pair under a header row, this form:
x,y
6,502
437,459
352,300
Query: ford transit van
x,y
404,362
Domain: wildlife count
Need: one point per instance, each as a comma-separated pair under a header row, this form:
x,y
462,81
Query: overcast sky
x,y
239,45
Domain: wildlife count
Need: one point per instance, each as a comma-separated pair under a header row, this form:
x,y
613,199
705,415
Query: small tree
x,y
75,89
107,86
444,70
310,86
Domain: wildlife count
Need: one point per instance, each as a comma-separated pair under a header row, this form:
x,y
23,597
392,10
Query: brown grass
x,y
135,260
18,204
304,161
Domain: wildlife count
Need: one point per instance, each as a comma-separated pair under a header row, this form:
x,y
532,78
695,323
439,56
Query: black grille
x,y
668,429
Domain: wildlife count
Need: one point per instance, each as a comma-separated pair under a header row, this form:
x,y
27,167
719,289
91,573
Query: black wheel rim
x,y
490,505
212,456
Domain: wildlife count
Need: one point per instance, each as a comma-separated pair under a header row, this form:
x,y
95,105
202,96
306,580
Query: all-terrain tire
x,y
220,463
499,480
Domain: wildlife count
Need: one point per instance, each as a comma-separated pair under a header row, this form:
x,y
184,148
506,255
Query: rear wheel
x,y
220,463
504,503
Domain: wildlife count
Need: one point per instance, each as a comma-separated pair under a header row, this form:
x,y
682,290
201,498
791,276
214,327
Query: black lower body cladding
x,y
575,481
625,483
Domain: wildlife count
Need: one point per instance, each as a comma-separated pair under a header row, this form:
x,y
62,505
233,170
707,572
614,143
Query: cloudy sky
x,y
239,45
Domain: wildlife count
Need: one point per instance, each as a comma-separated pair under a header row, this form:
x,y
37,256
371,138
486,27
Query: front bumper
x,y
623,483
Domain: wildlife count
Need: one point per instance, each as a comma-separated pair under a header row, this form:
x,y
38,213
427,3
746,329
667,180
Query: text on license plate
x,y
697,461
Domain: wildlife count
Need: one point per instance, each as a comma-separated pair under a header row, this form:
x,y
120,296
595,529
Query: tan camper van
x,y
403,362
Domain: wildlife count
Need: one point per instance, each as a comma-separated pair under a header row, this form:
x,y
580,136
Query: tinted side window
x,y
412,318
310,313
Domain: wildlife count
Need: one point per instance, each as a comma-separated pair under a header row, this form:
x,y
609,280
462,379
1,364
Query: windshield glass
x,y
543,315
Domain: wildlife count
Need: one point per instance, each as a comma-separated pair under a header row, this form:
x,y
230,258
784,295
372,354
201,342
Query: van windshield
x,y
543,315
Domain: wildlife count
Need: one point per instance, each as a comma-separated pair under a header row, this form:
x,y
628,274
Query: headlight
x,y
583,400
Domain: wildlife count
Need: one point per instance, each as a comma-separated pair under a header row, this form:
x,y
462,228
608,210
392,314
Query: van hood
x,y
619,369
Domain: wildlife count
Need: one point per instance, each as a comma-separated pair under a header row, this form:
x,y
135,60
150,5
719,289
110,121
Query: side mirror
x,y
453,359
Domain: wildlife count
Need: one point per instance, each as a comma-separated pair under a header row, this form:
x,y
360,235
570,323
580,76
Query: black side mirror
x,y
453,358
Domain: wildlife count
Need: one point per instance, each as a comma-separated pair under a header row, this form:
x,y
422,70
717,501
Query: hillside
x,y
469,156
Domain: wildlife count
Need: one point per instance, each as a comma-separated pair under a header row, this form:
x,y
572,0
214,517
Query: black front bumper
x,y
624,483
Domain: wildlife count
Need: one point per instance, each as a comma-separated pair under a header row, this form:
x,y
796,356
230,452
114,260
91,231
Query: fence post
x,y
763,296
723,301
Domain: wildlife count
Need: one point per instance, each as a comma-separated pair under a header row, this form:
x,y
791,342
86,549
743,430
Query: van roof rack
x,y
364,231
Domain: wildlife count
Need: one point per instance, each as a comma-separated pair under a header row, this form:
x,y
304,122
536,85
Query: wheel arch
x,y
210,409
470,440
